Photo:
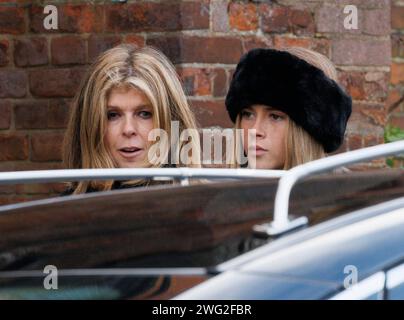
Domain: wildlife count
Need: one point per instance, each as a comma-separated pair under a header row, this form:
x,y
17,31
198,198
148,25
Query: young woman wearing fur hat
x,y
126,93
291,103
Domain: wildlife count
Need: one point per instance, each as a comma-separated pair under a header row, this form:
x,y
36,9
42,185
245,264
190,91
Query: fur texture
x,y
283,81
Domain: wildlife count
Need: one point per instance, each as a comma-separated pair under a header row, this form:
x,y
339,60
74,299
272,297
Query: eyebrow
x,y
138,107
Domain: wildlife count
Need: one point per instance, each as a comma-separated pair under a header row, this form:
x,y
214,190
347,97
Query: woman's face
x,y
268,151
130,119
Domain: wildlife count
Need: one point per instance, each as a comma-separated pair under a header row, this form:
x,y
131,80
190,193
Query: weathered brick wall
x,y
397,67
40,69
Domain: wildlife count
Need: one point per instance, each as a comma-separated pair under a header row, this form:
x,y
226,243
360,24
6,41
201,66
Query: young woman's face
x,y
270,125
130,119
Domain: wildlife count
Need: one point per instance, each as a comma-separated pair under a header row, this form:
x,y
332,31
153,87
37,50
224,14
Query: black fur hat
x,y
285,82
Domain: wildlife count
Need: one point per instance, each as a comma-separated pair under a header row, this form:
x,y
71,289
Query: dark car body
x,y
157,242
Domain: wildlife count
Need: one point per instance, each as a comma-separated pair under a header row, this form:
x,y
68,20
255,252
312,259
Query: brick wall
x,y
40,70
396,93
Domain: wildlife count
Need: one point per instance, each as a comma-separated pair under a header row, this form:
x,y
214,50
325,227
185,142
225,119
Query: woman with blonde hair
x,y
289,106
126,96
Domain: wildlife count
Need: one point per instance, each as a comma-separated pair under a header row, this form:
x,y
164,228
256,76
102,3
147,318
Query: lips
x,y
258,150
129,149
130,152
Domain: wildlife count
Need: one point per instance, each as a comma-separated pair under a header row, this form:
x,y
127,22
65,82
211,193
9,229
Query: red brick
x,y
377,116
211,113
362,123
13,83
68,50
397,121
31,115
197,81
212,50
71,18
5,111
4,45
377,22
393,98
366,3
355,142
220,85
397,73
329,19
285,41
170,46
199,49
12,20
371,116
397,17
361,52
138,41
46,146
13,147
370,86
195,15
55,82
301,21
397,43
59,112
376,86
243,16
97,44
274,19
283,19
220,18
372,140
157,17
31,52
250,43
320,45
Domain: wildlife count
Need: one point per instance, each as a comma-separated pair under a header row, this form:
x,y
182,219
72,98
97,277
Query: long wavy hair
x,y
145,69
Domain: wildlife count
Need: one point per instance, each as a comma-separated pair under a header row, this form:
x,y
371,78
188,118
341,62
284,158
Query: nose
x,y
129,127
259,127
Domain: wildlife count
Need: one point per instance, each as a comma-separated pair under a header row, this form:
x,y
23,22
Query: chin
x,y
265,164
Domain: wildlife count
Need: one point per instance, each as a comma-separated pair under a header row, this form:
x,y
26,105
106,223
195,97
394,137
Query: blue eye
x,y
145,114
112,115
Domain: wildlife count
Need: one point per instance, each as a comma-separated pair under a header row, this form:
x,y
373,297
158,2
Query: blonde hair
x,y
300,146
145,69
